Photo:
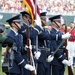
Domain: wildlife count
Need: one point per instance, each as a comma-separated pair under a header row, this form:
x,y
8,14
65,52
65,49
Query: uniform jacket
x,y
33,33
59,56
44,42
18,40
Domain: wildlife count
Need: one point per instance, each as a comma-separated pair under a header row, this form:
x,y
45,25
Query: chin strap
x,y
57,24
16,25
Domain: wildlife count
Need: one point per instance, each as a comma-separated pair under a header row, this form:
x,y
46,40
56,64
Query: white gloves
x,y
37,54
66,62
66,36
50,58
29,67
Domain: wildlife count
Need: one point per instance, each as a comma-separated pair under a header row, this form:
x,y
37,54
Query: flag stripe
x,y
33,8
30,7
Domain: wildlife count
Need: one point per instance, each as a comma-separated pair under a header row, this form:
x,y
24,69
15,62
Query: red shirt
x,y
72,37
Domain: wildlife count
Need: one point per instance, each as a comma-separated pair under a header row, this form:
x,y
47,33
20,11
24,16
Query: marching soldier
x,y
17,39
33,33
57,65
43,67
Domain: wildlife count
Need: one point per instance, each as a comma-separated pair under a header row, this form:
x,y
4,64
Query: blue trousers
x,y
42,70
57,70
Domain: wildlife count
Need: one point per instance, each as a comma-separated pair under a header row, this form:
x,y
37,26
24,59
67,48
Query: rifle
x,y
29,51
70,71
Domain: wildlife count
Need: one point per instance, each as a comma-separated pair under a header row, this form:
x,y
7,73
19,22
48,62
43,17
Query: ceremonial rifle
x,y
70,71
29,51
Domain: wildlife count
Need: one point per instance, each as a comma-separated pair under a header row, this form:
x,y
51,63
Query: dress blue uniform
x,y
57,68
45,42
18,58
59,56
44,46
33,33
17,39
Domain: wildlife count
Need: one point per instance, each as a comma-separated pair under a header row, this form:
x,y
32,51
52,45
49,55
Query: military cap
x,y
2,27
25,13
43,15
55,18
14,19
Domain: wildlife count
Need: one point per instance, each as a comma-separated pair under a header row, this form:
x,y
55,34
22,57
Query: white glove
x,y
29,67
30,47
50,58
66,36
37,54
66,62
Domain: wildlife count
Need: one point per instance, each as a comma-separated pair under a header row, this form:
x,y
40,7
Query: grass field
x,y
1,73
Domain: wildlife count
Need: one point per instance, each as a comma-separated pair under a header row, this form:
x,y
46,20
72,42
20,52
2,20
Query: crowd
x,y
58,6
10,5
51,6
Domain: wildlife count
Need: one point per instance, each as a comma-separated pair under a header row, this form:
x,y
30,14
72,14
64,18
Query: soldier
x,y
33,33
57,65
43,67
17,39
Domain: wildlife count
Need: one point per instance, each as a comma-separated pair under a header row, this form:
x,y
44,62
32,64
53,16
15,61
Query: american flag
x,y
33,9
